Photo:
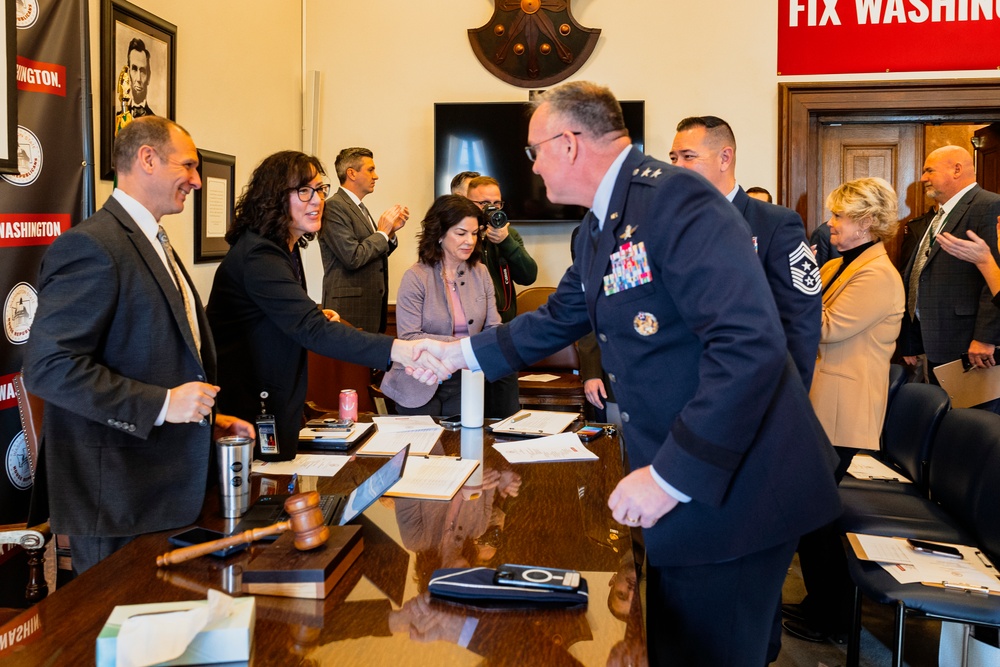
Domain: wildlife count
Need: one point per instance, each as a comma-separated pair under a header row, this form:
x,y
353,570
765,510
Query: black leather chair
x,y
911,424
964,483
897,378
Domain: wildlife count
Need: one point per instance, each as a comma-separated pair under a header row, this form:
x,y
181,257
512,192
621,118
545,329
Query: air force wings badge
x,y
532,43
805,270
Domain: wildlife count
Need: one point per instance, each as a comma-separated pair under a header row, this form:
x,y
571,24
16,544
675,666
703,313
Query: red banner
x,y
26,229
857,36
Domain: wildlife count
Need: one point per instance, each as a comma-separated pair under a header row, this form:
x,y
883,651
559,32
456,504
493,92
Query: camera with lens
x,y
493,216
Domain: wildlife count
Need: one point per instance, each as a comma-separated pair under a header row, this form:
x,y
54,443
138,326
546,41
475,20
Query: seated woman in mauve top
x,y
447,294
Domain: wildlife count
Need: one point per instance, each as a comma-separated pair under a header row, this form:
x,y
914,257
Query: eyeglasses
x,y
305,193
495,204
532,150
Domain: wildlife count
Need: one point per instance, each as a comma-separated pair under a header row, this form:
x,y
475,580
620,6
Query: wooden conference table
x,y
380,613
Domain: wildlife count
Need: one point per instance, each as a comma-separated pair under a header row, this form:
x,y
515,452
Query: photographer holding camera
x,y
508,262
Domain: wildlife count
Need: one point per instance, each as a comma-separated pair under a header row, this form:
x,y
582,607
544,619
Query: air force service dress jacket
x,y
109,339
708,393
792,273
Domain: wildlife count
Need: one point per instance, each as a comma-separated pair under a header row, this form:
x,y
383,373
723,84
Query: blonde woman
x,y
863,304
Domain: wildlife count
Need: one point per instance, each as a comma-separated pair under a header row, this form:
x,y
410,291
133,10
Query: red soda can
x,y
349,404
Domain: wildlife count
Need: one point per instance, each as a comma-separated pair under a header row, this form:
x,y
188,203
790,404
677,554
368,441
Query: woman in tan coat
x,y
863,304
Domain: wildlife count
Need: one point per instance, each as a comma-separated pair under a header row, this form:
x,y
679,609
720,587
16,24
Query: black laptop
x,y
338,508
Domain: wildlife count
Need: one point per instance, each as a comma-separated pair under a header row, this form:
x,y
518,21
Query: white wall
x,y
386,63
238,90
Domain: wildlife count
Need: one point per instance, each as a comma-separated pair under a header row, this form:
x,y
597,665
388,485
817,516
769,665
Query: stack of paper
x,y
535,423
421,433
435,477
562,447
866,467
972,573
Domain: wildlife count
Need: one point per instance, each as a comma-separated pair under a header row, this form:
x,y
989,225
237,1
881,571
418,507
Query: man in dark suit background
x,y
949,309
706,144
729,464
356,249
122,354
913,232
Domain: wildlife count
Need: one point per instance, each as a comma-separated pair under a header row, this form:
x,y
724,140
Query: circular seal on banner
x,y
16,463
19,313
27,13
29,158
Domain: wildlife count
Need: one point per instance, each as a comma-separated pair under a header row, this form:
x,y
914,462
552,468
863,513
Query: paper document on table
x,y
319,465
867,467
435,477
387,443
562,447
538,377
321,434
535,422
881,549
404,422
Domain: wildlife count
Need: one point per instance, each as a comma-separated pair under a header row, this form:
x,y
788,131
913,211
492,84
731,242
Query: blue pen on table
x,y
293,482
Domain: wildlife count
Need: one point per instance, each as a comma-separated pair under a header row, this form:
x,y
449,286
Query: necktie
x,y
168,250
923,252
593,226
364,209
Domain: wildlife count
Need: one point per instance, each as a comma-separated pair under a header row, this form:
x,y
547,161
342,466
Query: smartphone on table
x,y
200,536
531,576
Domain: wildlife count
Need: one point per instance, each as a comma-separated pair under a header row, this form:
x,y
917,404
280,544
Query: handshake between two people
x,y
427,360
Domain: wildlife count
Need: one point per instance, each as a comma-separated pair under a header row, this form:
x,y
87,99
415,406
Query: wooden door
x,y
893,152
987,143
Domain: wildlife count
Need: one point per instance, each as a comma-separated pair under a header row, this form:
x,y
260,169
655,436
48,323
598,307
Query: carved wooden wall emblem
x,y
533,43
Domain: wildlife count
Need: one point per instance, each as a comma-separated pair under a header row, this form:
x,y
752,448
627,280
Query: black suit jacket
x,y
708,393
954,303
792,274
264,321
109,339
355,264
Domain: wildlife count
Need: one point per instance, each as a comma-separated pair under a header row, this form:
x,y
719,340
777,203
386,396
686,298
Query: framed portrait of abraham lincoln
x,y
138,70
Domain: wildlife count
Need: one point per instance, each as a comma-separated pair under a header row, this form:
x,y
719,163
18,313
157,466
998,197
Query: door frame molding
x,y
801,106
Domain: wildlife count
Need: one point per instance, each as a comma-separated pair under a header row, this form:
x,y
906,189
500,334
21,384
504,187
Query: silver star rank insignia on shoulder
x,y
804,269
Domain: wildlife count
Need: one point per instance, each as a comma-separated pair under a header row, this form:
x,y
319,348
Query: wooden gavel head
x,y
306,520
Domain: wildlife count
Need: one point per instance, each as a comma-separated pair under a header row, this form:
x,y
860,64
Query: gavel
x,y
305,519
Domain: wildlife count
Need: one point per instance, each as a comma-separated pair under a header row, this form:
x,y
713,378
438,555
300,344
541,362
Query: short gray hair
x,y
151,131
591,106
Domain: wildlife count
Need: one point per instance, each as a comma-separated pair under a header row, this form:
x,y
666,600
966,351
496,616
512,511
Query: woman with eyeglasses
x,y
262,318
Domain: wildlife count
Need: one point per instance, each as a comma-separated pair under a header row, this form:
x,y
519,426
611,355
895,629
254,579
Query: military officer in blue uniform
x,y
706,144
729,464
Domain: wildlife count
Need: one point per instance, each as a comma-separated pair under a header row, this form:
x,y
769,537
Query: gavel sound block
x,y
305,520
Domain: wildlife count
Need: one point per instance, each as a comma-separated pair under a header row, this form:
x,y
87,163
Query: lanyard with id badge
x,y
266,433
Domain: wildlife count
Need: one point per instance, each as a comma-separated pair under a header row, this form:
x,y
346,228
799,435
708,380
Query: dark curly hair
x,y
446,212
263,206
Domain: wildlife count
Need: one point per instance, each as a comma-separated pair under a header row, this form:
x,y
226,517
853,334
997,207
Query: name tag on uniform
x,y
629,268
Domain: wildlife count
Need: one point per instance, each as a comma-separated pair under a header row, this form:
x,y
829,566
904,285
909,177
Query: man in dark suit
x,y
706,144
949,309
508,262
122,354
913,232
729,464
356,249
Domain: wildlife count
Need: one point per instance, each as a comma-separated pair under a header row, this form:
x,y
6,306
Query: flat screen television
x,y
489,137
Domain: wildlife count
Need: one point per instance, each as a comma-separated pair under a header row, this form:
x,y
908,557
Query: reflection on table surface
x,y
550,514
